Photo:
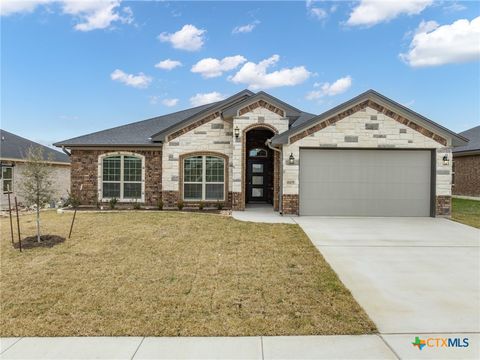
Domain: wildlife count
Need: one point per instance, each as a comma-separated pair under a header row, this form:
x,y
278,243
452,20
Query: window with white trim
x,y
204,178
122,177
7,178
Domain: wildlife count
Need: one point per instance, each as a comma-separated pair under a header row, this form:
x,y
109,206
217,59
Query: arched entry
x,y
259,166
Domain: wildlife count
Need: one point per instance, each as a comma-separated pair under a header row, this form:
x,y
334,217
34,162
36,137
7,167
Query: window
x,y
122,177
204,178
7,178
258,152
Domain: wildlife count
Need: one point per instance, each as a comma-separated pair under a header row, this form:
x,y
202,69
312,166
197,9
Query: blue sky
x,y
71,68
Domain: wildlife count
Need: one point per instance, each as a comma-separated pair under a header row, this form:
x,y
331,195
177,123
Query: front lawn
x,y
171,274
466,211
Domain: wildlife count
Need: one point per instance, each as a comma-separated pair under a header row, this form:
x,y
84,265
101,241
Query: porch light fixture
x,y
237,132
291,159
445,159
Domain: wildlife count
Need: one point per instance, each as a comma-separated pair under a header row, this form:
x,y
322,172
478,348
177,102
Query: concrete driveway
x,y
411,275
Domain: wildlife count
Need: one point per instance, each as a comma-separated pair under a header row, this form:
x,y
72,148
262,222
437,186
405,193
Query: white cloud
x,y
371,12
256,76
453,7
326,89
206,98
319,13
210,67
434,45
9,7
137,81
168,64
91,15
188,38
170,102
245,28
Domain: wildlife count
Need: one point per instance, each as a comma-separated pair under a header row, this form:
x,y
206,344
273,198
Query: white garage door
x,y
365,182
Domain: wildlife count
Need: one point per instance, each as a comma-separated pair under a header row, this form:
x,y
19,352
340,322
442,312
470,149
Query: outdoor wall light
x,y
291,159
237,132
445,159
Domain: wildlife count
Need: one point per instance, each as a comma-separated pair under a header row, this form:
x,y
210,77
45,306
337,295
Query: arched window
x,y
122,177
257,152
204,178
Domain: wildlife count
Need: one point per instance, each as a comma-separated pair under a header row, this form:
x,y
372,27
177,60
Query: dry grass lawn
x,y
171,274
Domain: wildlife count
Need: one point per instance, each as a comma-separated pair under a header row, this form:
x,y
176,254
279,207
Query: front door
x,y
257,181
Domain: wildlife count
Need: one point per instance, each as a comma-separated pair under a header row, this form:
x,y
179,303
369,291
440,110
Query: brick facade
x,y
443,206
290,204
467,175
84,174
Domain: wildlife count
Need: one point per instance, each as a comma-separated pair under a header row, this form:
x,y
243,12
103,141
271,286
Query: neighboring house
x,y
369,156
13,152
466,165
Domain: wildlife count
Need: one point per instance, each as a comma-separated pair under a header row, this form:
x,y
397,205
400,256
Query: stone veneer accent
x,y
381,109
193,125
84,174
290,204
261,103
466,175
443,206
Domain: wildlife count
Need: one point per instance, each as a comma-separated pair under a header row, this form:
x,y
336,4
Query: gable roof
x,y
457,140
137,133
232,110
16,147
473,135
160,136
150,131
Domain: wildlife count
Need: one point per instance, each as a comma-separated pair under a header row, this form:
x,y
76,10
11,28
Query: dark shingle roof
x,y
137,133
473,135
15,147
304,116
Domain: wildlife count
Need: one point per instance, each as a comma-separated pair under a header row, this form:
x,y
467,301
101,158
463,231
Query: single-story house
x,y
13,152
466,165
369,156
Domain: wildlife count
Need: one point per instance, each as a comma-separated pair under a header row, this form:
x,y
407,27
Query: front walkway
x,y
262,213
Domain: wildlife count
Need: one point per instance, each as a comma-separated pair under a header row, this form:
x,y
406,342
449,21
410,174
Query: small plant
x,y
97,204
219,205
180,205
112,203
160,205
136,205
72,201
201,205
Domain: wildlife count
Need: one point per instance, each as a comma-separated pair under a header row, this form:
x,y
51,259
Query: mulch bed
x,y
45,241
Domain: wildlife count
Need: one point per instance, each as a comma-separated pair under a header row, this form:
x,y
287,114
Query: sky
x,y
69,68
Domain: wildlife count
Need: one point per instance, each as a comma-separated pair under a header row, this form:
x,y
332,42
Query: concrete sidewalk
x,y
392,346
257,347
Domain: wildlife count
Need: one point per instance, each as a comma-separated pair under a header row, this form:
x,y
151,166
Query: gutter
x,y
280,174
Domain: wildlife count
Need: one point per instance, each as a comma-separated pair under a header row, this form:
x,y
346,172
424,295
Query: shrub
x,y
72,201
160,205
113,203
201,205
180,204
219,205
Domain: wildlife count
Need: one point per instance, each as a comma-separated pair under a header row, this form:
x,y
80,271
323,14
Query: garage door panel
x,y
365,182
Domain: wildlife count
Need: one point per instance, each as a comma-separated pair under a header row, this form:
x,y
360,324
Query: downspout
x,y
66,151
280,173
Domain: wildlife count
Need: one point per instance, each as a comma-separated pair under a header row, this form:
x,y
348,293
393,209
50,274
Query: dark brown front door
x,y
258,181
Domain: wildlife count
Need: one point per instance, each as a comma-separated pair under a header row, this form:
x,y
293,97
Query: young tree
x,y
36,185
